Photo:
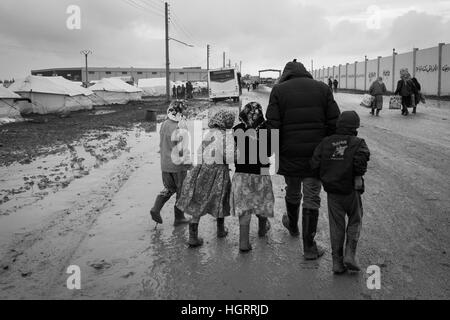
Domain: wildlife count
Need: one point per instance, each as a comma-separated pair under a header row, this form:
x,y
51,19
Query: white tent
x,y
51,95
114,91
8,108
154,86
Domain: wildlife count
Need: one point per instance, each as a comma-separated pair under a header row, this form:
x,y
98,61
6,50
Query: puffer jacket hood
x,y
294,69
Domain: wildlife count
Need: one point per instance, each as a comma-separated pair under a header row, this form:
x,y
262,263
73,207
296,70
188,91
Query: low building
x,y
96,73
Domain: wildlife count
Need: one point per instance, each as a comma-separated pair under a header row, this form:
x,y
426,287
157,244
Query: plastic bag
x,y
395,103
367,101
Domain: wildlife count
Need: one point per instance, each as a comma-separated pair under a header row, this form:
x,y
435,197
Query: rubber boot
x,y
350,255
180,219
414,110
155,212
222,232
194,240
372,112
378,112
290,220
310,218
338,265
263,226
244,238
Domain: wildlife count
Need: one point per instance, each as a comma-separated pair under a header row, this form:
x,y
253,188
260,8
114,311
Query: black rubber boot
x,y
155,212
378,112
310,218
414,110
263,226
372,112
290,220
180,219
350,255
338,265
194,240
222,232
244,238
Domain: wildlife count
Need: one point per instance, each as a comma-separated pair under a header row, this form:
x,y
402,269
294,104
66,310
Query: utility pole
x,y
240,67
312,65
224,59
229,63
166,7
207,62
86,53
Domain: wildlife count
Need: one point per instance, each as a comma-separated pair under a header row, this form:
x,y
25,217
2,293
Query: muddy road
x,y
100,222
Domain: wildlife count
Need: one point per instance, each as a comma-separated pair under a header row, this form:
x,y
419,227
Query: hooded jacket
x,y
341,157
304,110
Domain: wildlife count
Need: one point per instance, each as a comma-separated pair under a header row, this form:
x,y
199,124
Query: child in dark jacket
x,y
341,162
251,189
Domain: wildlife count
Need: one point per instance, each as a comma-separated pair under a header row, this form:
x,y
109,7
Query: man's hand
x,y
359,186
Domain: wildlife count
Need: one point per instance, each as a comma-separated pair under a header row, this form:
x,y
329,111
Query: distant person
x,y
173,175
341,162
406,89
183,92
248,87
178,92
305,112
335,84
189,89
174,91
330,83
418,95
377,90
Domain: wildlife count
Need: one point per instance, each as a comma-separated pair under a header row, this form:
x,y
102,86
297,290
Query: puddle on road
x,y
102,112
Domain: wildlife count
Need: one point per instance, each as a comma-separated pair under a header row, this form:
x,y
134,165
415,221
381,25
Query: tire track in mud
x,y
36,259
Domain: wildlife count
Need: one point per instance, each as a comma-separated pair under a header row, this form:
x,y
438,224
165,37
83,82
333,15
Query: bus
x,y
224,84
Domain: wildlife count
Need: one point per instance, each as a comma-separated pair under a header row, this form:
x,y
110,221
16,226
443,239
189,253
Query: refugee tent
x,y
114,91
51,95
154,87
8,108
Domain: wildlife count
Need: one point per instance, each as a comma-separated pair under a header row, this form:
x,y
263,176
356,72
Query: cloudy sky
x,y
260,33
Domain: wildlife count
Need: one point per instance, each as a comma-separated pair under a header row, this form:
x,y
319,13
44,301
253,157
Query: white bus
x,y
223,84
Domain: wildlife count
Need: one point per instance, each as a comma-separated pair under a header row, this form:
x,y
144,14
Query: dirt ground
x,y
99,220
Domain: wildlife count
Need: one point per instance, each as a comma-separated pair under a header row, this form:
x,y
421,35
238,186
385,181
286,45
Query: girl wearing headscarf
x,y
172,174
407,90
206,189
251,189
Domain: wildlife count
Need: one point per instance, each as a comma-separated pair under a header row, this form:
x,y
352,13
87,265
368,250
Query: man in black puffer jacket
x,y
305,112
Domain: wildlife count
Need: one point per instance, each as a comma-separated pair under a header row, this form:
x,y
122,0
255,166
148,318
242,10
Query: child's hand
x,y
359,185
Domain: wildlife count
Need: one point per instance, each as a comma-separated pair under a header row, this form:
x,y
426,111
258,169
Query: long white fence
x,y
430,66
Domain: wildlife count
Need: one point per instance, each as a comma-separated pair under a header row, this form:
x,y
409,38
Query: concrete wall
x,y
429,66
372,72
427,70
445,70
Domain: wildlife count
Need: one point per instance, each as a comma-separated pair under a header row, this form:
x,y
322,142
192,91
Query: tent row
x,y
59,95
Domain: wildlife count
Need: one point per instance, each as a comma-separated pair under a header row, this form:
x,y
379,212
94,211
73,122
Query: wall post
x,y
414,61
441,45
346,75
356,69
378,66
393,69
365,73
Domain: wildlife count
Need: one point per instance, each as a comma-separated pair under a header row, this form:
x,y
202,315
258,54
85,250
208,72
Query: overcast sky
x,y
260,33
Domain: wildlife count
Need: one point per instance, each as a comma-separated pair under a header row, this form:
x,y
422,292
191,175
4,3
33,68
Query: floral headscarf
x,y
252,115
176,110
222,120
404,74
